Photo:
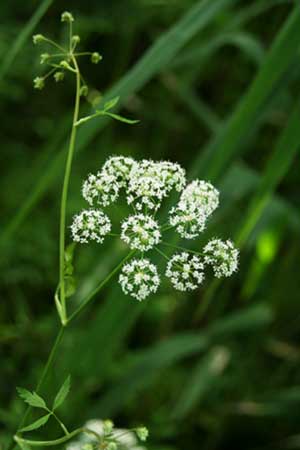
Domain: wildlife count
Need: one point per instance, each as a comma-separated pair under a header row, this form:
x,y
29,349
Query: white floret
x,y
90,225
203,195
139,278
188,220
140,232
101,189
172,175
150,182
146,188
185,271
222,256
120,168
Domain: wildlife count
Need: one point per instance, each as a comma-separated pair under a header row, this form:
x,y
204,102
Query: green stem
x,y
56,441
98,288
64,197
87,118
162,253
63,427
55,45
75,314
177,247
49,363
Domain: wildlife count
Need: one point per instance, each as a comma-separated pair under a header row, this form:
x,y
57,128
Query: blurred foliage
x,y
216,86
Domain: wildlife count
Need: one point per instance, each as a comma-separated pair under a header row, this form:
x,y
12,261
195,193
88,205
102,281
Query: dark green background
x,y
216,86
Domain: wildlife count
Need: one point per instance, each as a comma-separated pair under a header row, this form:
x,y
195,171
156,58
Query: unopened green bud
x,y
38,83
65,65
38,38
75,39
67,17
108,426
59,76
142,433
84,90
44,57
95,57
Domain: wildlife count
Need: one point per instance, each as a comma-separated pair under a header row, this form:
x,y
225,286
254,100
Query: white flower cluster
x,y
90,225
197,202
222,256
117,438
145,185
101,189
140,232
185,271
203,194
139,278
150,182
119,167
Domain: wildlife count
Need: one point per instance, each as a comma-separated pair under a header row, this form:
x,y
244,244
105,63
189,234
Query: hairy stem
x,y
64,197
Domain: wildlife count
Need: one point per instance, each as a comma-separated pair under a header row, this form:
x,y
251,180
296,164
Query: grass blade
x,y
23,36
228,142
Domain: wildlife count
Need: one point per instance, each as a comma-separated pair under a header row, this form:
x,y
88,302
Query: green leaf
x,y
62,393
120,118
69,252
37,424
70,286
69,257
32,398
111,103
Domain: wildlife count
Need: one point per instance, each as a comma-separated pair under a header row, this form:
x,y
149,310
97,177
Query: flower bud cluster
x,y
66,59
145,185
109,438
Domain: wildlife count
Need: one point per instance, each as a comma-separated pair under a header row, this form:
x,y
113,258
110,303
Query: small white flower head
x,y
185,271
172,175
119,167
102,189
188,219
203,195
112,438
90,225
222,256
139,278
142,433
140,232
74,446
146,187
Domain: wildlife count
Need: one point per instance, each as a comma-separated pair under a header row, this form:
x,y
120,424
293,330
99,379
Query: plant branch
x,y
90,297
64,197
58,441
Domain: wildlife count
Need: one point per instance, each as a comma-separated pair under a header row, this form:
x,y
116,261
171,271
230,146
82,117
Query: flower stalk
x,y
64,197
